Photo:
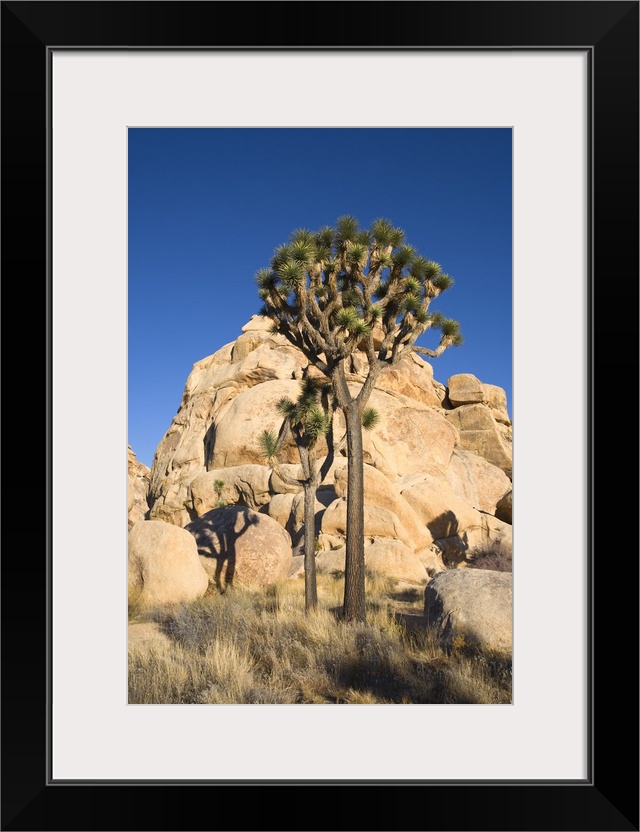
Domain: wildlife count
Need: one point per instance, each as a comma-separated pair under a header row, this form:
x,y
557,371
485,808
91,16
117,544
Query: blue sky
x,y
207,207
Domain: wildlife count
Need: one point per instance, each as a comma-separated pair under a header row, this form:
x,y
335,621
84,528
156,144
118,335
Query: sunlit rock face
x,y
437,464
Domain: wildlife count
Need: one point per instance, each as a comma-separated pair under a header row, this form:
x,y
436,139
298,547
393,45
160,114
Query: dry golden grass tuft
x,y
258,647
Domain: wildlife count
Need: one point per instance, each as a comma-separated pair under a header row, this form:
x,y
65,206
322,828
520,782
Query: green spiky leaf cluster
x,y
370,418
316,423
286,407
268,444
325,290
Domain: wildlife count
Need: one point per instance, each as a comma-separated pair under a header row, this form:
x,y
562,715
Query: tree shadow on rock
x,y
209,444
445,530
216,534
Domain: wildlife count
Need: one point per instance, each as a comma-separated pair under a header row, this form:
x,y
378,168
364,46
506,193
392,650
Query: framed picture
x,y
564,78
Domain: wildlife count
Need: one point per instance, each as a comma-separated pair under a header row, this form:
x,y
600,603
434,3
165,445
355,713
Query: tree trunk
x,y
310,585
354,608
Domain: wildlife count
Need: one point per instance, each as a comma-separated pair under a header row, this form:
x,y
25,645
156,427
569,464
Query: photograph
x,y
336,275
320,416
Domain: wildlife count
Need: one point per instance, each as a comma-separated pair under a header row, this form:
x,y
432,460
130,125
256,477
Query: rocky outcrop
x,y
471,607
436,464
241,546
164,567
138,487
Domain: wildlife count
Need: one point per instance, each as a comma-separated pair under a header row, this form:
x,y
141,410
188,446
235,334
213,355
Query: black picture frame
x,y
608,798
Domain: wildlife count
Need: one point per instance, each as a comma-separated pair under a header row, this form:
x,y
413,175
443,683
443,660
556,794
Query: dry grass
x,y
259,647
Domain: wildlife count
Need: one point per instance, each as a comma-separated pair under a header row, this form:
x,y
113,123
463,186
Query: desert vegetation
x,y
345,288
257,646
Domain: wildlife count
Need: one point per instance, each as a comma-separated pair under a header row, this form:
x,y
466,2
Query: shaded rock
x,y
138,486
297,566
163,565
486,532
504,508
331,561
471,606
279,508
243,546
432,560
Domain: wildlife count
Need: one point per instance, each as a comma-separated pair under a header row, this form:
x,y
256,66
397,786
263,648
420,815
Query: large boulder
x,y
471,607
164,567
479,432
465,388
241,546
138,487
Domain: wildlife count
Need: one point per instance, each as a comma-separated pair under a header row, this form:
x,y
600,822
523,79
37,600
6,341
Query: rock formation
x,y
139,478
240,546
471,607
437,464
164,567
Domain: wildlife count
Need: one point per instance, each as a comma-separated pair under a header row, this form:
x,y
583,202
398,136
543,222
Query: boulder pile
x,y
437,474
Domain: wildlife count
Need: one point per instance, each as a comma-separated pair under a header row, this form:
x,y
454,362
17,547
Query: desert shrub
x,y
253,646
496,558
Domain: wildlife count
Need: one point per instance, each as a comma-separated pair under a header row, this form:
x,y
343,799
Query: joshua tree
x,y
339,289
218,486
307,420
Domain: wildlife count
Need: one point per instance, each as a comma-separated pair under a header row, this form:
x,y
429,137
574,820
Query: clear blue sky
x,y
207,207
